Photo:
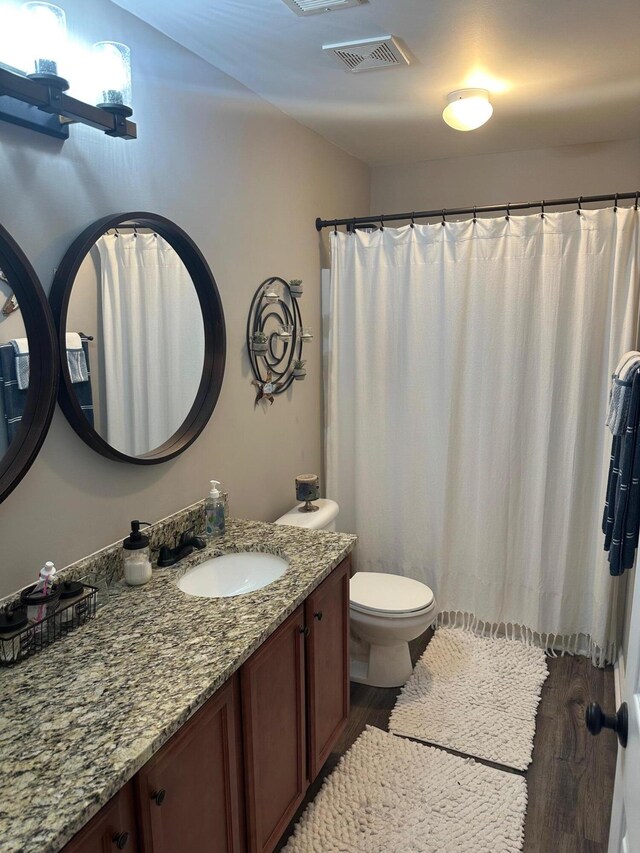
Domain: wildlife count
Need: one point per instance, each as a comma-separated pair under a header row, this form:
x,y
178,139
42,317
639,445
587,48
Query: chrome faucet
x,y
187,544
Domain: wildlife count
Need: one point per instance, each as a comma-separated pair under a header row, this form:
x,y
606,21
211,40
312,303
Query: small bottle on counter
x,y
214,512
41,600
137,563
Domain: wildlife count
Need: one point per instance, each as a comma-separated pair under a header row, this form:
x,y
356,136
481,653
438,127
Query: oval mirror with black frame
x,y
28,364
142,338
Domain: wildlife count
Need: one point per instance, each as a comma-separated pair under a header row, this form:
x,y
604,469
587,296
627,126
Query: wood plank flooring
x,y
570,780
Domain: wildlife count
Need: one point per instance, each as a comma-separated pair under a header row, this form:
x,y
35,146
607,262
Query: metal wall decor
x,y
275,337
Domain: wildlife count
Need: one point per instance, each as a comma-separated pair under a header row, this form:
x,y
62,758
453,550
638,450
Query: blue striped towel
x,y
620,392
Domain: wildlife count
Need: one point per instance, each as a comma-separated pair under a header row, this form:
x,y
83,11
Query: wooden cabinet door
x,y
273,720
190,792
327,616
112,829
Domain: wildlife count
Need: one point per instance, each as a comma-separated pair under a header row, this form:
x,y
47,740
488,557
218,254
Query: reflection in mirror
x,y
14,365
135,339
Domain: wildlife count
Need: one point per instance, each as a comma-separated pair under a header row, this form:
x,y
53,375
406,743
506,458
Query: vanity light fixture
x,y
112,66
39,101
467,109
46,26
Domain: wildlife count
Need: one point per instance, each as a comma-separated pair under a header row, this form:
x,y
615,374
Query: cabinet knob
x,y
305,630
120,840
318,615
158,796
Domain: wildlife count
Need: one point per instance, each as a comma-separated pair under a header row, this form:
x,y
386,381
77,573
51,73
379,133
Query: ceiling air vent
x,y
368,54
312,7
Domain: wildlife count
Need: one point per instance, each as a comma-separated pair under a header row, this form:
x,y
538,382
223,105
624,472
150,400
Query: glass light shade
x,y
467,109
112,69
45,35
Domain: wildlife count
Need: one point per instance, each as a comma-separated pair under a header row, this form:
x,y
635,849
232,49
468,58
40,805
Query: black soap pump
x,y
135,556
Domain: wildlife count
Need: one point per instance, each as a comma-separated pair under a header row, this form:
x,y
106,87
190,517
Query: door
x,y
190,792
327,616
113,828
625,814
273,721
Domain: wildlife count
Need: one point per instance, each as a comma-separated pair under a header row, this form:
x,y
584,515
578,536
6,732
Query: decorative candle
x,y
285,332
307,487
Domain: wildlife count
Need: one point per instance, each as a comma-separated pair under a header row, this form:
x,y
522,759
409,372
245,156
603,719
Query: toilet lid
x,y
384,593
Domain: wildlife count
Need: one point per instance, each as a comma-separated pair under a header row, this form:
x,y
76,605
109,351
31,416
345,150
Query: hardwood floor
x,y
570,780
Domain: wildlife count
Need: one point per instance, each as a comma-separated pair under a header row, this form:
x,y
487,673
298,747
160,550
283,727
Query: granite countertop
x,y
80,718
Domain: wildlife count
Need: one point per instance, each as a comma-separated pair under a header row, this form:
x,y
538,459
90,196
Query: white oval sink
x,y
233,574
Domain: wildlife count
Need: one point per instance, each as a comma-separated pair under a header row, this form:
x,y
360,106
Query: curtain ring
x,y
635,206
475,218
444,221
335,227
579,210
381,223
353,226
116,232
542,209
508,216
135,231
413,219
615,203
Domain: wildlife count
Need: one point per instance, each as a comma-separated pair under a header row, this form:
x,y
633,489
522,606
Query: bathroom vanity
x,y
203,721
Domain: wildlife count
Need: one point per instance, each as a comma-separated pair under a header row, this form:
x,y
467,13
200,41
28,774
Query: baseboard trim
x,y
619,677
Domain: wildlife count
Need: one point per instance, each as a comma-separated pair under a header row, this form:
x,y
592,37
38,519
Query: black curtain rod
x,y
354,221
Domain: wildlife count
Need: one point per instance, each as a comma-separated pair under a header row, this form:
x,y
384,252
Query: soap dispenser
x,y
214,512
137,565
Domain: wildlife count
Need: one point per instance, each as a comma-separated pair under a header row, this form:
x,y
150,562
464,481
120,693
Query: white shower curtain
x,y
153,340
468,373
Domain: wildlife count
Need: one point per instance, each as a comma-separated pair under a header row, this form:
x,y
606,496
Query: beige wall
x,y
247,183
570,170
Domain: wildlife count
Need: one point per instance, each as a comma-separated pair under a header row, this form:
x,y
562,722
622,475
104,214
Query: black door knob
x,y
597,720
120,840
318,615
305,630
158,796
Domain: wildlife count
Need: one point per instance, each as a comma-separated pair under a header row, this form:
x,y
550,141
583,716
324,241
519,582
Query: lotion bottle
x,y
214,512
136,556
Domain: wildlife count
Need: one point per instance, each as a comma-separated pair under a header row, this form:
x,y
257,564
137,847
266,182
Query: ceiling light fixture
x,y
467,109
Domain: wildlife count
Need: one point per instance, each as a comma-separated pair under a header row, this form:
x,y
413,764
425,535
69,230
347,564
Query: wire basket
x,y
31,636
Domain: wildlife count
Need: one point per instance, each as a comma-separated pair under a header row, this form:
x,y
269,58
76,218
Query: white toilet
x,y
387,611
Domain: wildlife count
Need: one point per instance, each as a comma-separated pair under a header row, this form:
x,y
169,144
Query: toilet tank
x,y
323,519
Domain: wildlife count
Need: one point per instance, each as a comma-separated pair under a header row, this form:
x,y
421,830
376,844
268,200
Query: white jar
x,y
136,557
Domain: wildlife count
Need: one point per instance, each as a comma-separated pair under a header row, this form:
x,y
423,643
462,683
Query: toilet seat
x,y
394,596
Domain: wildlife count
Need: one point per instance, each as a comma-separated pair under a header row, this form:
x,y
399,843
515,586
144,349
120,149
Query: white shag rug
x,y
390,795
476,695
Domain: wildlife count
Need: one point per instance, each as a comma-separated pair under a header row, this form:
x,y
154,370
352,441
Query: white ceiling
x,y
560,71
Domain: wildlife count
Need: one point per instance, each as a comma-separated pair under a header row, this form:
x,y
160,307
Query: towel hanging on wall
x,y
76,358
13,397
621,519
21,350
